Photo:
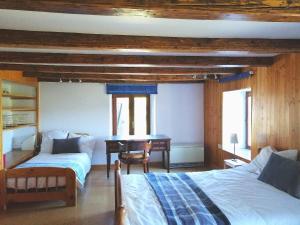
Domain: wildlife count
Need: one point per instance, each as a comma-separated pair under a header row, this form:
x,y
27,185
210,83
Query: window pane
x,y
122,116
140,115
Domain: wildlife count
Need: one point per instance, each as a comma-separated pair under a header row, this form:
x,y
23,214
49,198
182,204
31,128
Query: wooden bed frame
x,y
119,206
68,193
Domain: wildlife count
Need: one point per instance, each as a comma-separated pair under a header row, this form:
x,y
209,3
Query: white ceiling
x,y
59,22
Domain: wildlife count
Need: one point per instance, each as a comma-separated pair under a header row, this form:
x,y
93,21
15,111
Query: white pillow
x,y
290,154
260,161
47,139
86,143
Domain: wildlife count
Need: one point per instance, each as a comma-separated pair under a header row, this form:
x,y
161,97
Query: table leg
x,y
108,164
168,161
163,160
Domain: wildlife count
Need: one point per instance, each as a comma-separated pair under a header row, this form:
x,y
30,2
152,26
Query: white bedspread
x,y
82,160
240,196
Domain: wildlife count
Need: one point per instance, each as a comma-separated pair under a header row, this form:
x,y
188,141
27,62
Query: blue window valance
x,y
237,76
131,88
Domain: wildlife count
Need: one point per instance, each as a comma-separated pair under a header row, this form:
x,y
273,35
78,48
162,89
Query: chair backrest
x,y
135,145
148,146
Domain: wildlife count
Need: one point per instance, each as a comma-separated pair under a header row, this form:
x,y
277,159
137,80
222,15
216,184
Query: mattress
x,y
79,162
240,196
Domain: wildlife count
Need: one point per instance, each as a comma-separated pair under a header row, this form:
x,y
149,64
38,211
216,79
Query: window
x,y
236,118
131,114
248,118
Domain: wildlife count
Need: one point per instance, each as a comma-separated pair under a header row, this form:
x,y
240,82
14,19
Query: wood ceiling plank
x,y
146,44
131,60
257,10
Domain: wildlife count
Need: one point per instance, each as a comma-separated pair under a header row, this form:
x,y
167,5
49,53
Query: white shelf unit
x,y
19,113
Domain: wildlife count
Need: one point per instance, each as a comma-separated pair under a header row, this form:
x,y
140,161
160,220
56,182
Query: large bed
x,y
237,193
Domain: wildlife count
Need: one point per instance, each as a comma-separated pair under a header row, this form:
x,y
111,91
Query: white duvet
x,y
239,195
81,159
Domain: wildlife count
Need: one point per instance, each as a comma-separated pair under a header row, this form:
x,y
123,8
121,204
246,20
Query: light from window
x,y
236,118
123,116
140,115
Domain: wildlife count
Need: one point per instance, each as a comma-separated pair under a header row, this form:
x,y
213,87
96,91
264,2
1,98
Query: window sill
x,y
243,153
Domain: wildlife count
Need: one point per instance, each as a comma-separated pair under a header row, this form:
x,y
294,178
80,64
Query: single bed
x,y
47,176
80,163
240,196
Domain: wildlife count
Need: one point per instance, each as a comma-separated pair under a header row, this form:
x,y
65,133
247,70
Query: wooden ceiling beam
x,y
146,44
257,10
119,81
132,60
33,69
154,78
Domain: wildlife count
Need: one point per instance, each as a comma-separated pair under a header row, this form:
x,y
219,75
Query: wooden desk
x,y
159,143
16,157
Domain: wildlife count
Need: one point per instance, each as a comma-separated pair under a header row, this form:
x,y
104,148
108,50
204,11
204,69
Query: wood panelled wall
x,y
275,109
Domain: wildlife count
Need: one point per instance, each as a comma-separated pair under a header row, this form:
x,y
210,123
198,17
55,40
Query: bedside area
x,y
232,163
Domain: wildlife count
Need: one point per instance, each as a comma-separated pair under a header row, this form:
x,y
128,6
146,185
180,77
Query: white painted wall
x,y
180,112
77,108
177,111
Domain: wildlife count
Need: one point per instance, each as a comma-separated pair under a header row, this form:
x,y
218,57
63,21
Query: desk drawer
x,y
159,145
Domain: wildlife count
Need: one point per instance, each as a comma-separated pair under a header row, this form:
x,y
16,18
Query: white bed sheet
x,y
240,196
80,158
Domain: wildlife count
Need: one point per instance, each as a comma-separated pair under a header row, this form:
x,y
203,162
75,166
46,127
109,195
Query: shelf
x,y
13,96
19,126
20,109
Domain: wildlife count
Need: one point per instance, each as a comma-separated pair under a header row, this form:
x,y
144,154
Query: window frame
x,y
248,94
131,111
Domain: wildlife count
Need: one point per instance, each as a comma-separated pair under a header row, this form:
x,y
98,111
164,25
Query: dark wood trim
x,y
256,10
120,81
133,78
126,43
148,114
114,115
31,70
131,114
133,60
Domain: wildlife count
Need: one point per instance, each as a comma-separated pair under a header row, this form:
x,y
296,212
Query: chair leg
x,y
128,168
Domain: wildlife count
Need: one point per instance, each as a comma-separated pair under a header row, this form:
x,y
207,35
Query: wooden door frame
x,y
131,111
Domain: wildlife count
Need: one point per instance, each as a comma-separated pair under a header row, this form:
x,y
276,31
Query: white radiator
x,y
186,155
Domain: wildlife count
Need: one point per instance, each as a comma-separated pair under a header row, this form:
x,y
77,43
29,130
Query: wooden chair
x,y
141,154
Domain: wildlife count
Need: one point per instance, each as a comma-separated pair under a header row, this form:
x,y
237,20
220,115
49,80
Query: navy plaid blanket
x,y
183,202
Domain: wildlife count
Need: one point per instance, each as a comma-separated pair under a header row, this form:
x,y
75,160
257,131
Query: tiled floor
x,y
94,207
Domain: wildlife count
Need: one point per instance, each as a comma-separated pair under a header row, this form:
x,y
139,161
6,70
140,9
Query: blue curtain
x,y
131,88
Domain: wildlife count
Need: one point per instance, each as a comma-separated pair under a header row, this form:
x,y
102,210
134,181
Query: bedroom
x,y
69,51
